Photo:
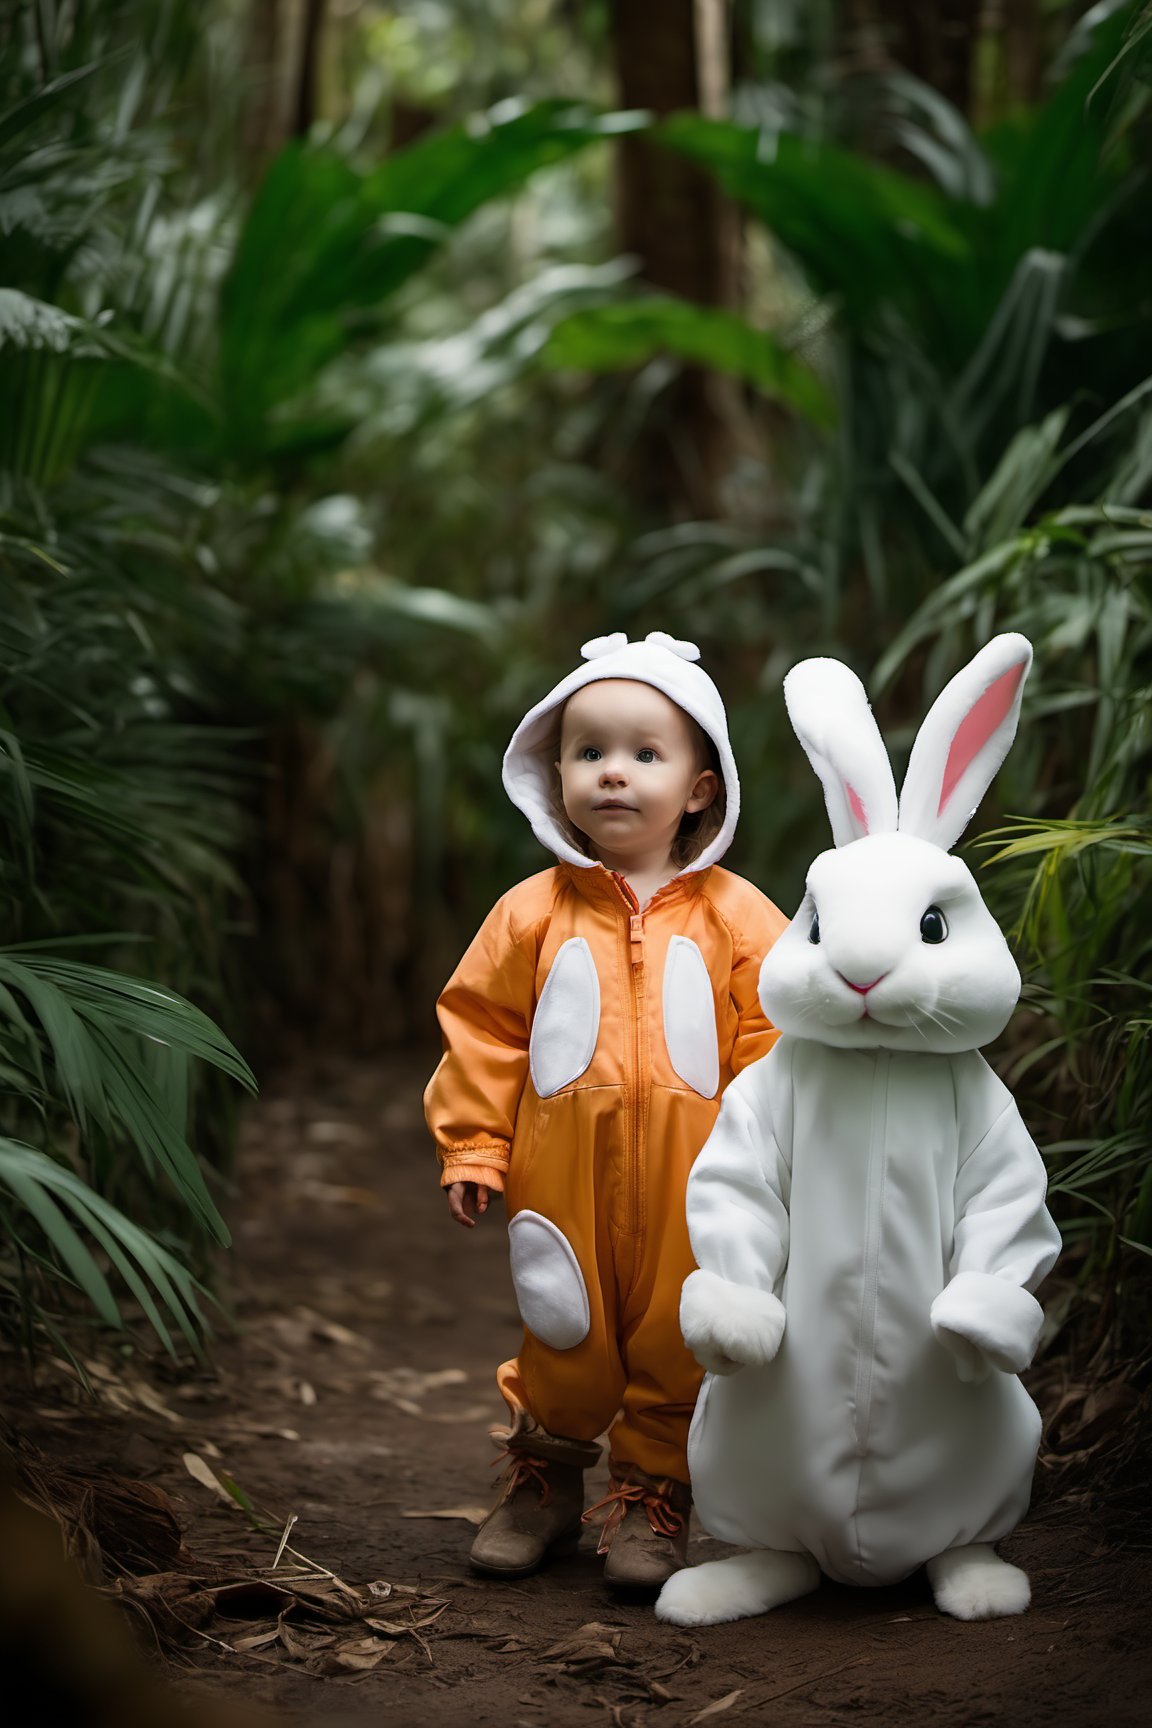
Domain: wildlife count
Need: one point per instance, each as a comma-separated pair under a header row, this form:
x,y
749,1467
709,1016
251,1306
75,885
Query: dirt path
x,y
356,1396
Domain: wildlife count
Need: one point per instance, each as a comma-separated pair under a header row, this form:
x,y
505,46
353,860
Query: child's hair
x,y
698,828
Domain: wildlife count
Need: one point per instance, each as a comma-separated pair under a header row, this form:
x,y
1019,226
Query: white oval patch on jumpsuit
x,y
690,1018
550,1289
566,1024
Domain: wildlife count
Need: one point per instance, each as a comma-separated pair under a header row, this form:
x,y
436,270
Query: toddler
x,y
589,1032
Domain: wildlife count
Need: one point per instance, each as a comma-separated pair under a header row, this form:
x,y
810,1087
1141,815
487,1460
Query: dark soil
x,y
356,1393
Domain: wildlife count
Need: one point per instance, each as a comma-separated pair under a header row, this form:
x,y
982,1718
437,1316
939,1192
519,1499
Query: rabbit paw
x,y
973,1583
729,1326
987,1322
736,1588
971,1364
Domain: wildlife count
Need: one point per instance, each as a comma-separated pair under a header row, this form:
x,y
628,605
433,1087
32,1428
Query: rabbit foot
x,y
973,1583
736,1588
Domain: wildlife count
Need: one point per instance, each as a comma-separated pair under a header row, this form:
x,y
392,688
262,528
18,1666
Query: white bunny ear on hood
x,y
966,735
829,711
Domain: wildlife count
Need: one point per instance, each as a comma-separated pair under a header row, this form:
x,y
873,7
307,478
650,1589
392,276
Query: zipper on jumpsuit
x,y
636,1104
870,1275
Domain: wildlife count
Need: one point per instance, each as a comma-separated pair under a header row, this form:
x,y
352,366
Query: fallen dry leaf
x,y
206,1476
593,1629
362,1660
410,1383
404,1404
257,1640
470,1514
397,1628
592,1646
330,1331
143,1394
715,1708
302,1645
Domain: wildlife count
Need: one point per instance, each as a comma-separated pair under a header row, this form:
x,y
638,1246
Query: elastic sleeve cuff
x,y
999,1318
485,1173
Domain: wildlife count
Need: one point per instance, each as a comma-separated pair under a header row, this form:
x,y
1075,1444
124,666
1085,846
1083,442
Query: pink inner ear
x,y
976,728
856,806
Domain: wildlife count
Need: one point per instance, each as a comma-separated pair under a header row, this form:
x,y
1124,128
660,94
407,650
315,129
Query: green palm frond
x,y
96,1023
48,1193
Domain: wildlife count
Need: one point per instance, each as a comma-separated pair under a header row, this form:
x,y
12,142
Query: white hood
x,y
668,665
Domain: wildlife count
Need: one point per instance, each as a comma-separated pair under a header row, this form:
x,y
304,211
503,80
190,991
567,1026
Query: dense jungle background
x,y
357,362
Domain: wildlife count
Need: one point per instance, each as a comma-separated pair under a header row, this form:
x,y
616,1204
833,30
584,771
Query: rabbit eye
x,y
814,929
933,925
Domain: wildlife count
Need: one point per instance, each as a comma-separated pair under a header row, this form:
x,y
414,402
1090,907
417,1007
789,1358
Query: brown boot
x,y
645,1535
538,1512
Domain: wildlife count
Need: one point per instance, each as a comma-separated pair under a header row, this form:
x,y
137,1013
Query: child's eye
x,y
646,755
589,753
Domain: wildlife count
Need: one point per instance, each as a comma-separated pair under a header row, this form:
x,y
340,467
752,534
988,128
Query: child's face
x,y
631,765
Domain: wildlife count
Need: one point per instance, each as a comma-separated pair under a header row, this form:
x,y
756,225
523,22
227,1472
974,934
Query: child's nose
x,y
612,772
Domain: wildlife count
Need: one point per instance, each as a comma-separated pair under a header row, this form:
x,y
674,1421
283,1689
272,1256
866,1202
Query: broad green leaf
x,y
861,232
325,244
632,332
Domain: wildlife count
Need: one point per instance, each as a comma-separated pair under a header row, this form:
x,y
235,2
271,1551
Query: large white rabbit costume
x,y
868,1213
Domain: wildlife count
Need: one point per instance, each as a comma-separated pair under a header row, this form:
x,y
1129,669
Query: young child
x,y
589,1032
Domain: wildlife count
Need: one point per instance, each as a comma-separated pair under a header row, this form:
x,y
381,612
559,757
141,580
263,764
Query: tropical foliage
x,y
164,570
987,344
314,467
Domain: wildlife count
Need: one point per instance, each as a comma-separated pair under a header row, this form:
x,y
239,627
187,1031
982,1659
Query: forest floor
x,y
354,1396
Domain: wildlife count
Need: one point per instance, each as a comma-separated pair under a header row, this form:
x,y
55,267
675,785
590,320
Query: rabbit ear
x,y
830,714
965,736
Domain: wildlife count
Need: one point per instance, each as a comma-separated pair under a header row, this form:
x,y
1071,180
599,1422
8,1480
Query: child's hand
x,y
466,1200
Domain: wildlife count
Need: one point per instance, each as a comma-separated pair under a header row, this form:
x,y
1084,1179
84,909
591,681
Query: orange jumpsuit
x,y
586,1047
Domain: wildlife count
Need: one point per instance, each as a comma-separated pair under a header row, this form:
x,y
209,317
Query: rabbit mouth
x,y
881,1013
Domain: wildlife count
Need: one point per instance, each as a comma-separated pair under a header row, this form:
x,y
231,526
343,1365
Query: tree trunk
x,y
283,65
985,56
262,120
672,216
308,74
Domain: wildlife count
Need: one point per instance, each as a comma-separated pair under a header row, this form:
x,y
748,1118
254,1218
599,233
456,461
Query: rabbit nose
x,y
863,989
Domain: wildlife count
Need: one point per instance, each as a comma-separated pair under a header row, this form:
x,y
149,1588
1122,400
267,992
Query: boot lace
x,y
619,1500
524,1468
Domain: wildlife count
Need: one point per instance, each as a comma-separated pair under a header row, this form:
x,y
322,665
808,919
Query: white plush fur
x,y
870,897
874,1167
829,711
973,1583
980,1316
729,1326
932,804
734,1589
